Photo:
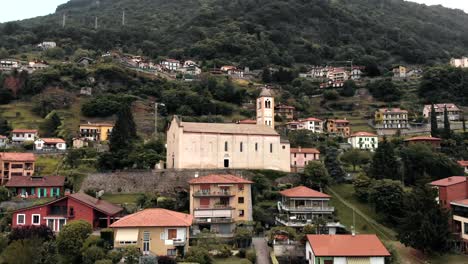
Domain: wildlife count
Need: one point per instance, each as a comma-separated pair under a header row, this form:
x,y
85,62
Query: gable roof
x,y
24,131
30,181
228,128
100,205
52,140
265,93
448,181
154,217
305,150
16,156
311,119
347,245
304,192
363,134
1,136
219,178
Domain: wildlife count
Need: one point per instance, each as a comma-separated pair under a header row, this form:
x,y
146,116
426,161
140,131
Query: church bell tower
x,y
266,109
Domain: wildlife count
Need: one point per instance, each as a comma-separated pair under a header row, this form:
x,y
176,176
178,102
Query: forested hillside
x,y
254,33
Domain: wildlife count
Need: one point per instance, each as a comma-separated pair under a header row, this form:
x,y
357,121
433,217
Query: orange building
x,y
16,164
338,127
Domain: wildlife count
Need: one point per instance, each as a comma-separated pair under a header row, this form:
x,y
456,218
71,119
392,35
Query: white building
x,y
170,64
47,45
345,249
459,62
453,112
364,141
311,123
3,141
22,135
9,64
266,109
50,144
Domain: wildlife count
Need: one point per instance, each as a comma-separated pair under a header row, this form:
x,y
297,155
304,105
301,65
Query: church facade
x,y
226,145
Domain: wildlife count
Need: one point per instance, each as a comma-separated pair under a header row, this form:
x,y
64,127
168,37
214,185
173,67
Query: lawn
x,y
121,198
20,115
47,165
230,260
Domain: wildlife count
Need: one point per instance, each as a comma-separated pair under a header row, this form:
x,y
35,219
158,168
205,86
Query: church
x,y
193,145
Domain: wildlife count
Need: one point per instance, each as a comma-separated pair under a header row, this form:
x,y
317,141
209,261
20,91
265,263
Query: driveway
x,y
262,250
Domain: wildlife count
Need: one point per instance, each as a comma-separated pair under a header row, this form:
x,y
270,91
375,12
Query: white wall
x,y
377,260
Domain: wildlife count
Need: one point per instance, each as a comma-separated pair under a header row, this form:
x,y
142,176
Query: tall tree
x,y
316,175
434,128
447,130
387,198
5,128
384,162
425,225
124,132
266,75
333,165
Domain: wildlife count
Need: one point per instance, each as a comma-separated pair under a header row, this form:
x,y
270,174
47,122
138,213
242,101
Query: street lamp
x,y
156,118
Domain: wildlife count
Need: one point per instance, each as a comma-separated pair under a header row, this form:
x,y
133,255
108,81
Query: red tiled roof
x,y
2,136
248,121
302,191
52,140
29,181
463,163
154,217
312,119
449,181
392,110
97,124
305,150
363,134
341,121
347,245
422,138
463,203
14,156
219,178
24,131
100,205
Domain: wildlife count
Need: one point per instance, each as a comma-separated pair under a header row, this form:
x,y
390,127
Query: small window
x,y
256,146
305,155
36,219
271,148
71,212
20,219
226,146
241,147
294,154
171,252
240,200
241,212
466,228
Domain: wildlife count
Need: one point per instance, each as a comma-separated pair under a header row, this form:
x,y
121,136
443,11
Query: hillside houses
x,y
459,62
454,113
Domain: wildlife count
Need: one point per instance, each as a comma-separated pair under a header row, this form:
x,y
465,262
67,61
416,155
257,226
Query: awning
x,y
358,260
127,234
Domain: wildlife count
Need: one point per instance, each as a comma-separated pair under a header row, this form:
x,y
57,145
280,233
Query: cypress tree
x,y
434,128
5,128
333,165
384,162
447,130
124,131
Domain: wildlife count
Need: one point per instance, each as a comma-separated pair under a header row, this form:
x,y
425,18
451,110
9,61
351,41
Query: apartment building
x,y
16,164
391,118
338,127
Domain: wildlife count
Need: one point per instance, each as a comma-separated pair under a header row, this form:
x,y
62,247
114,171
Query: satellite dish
x,y
99,194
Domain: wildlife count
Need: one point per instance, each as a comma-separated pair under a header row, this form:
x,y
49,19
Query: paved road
x,y
262,250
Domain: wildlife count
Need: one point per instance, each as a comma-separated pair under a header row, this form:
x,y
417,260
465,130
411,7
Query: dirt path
x,y
262,250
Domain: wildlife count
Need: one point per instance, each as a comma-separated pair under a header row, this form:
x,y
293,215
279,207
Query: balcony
x,y
209,213
322,209
215,220
208,193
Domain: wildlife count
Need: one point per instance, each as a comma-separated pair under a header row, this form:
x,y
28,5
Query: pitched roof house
x,y
37,187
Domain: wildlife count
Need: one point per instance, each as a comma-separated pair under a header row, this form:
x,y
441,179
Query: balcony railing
x,y
214,206
214,220
207,193
309,208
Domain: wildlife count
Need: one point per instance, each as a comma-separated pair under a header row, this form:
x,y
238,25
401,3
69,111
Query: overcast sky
x,y
11,10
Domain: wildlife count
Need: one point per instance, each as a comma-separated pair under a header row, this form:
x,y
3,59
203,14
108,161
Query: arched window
x,y
241,147
226,146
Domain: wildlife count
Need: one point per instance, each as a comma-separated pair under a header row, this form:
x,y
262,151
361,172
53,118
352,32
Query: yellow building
x,y
96,131
217,202
155,231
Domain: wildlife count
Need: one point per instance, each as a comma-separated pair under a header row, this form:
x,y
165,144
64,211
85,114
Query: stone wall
x,y
164,182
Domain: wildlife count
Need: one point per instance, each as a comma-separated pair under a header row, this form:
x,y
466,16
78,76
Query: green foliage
x,y
107,235
316,175
251,255
333,165
71,239
124,131
384,163
362,185
5,194
330,95
384,90
387,198
444,84
434,128
356,157
349,88
54,53
424,225
104,261
447,130
105,105
51,99
115,256
5,128
22,252
132,255
51,124
166,260
149,260
199,255
6,96
93,254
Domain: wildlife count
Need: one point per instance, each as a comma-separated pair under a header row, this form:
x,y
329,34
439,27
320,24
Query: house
x,y
351,249
218,201
189,63
300,206
266,108
96,131
57,213
238,73
357,72
37,186
453,112
37,65
285,111
428,140
85,61
338,127
399,71
9,64
337,75
459,225
312,124
364,141
14,164
464,164
300,157
450,189
459,62
3,141
391,118
227,68
294,125
225,145
170,64
47,45
154,231
22,135
50,144
414,72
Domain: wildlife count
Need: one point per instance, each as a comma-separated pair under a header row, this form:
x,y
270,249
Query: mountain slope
x,y
256,33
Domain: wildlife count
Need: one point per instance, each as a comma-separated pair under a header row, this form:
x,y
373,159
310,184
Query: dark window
x,y
241,212
271,148
241,147
466,228
240,200
305,155
72,212
256,146
226,163
225,146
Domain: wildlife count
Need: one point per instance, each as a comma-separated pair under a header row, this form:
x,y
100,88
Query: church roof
x,y
228,128
265,93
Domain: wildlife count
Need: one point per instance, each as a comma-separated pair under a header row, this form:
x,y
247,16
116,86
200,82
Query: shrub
x,y
132,255
251,255
29,232
104,261
115,256
93,254
224,251
107,235
166,260
148,260
241,253
330,95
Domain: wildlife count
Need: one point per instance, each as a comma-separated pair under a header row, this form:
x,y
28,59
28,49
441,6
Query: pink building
x,y
301,156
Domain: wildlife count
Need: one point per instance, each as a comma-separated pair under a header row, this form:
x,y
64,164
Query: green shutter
x,y
57,191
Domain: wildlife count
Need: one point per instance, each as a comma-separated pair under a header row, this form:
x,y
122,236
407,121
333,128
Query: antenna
x,y
123,18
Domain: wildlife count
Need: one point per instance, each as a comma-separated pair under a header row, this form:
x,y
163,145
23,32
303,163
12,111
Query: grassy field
x,y
20,115
48,165
230,260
